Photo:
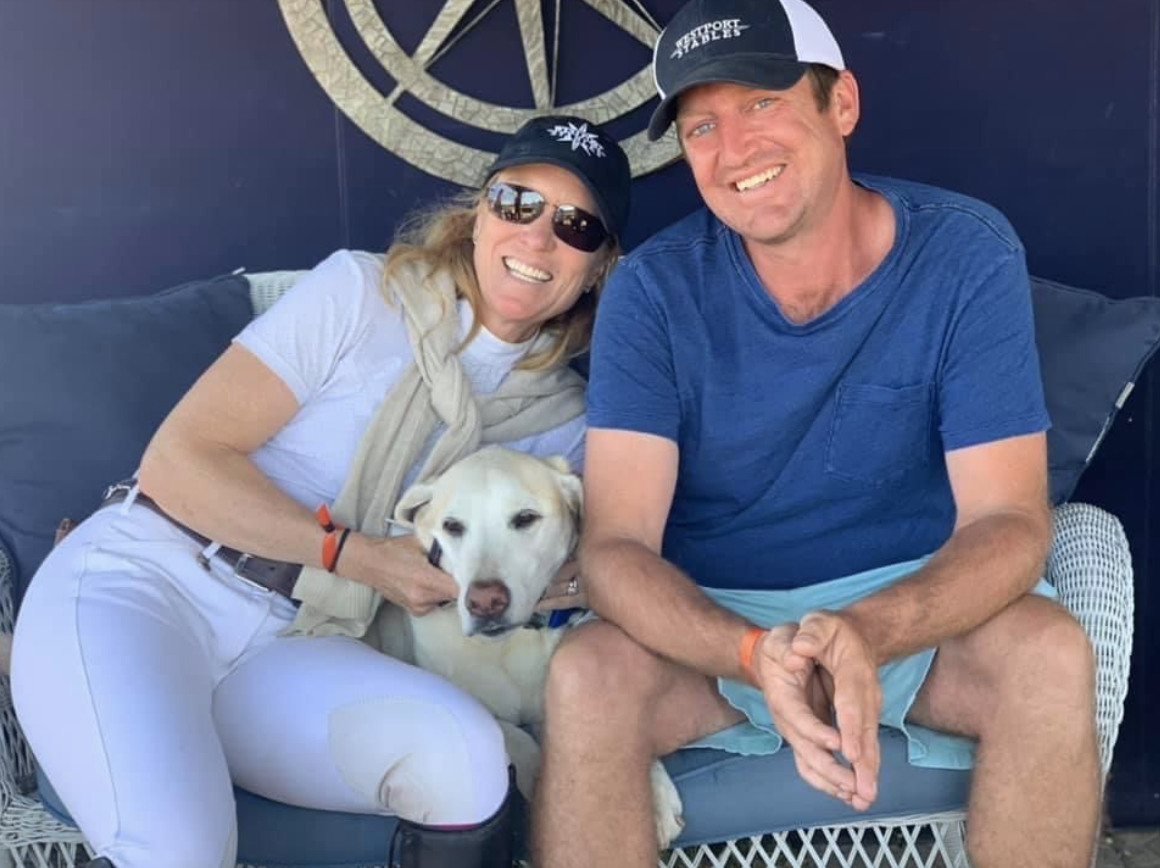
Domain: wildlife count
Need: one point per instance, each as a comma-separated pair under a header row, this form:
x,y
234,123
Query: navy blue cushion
x,y
1091,349
281,836
727,796
84,387
277,835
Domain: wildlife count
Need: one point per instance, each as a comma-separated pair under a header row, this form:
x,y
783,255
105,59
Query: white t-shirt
x,y
339,347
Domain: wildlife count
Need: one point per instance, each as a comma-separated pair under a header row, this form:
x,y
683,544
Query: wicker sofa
x,y
741,813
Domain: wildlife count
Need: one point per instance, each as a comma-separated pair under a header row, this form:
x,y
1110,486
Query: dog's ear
x,y
413,500
570,485
573,490
559,463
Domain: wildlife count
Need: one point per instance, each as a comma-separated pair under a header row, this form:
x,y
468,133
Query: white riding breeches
x,y
148,684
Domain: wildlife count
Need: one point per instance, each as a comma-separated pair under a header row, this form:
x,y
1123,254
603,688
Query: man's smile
x,y
759,180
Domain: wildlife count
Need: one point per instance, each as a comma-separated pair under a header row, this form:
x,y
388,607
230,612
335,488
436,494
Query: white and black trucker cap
x,y
760,43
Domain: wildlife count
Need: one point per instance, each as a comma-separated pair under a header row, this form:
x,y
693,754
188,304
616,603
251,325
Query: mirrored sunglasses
x,y
574,226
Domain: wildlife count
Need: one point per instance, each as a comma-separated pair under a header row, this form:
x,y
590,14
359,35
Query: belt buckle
x,y
239,565
205,556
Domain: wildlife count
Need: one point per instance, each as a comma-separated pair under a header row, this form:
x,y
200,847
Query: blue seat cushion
x,y
275,835
728,796
725,797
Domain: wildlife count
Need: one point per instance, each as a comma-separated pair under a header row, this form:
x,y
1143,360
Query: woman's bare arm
x,y
197,467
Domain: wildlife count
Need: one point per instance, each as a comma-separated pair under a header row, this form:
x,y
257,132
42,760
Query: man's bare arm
x,y
198,467
994,556
629,480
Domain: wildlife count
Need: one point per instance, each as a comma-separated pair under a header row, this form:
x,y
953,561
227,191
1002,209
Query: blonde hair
x,y
440,238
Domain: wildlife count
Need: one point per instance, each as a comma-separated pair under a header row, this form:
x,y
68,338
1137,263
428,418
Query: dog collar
x,y
551,620
538,621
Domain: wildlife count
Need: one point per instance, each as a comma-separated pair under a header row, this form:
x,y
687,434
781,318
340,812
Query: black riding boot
x,y
488,845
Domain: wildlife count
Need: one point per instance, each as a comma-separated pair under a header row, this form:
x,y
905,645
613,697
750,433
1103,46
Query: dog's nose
x,y
488,598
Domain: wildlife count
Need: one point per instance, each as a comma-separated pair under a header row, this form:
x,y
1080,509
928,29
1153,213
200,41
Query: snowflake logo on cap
x,y
580,138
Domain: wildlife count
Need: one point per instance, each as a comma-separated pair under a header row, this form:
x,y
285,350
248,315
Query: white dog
x,y
502,523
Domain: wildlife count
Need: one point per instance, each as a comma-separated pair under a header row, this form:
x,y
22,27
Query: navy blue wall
x,y
146,143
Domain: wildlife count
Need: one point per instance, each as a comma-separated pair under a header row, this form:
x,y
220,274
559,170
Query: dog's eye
x,y
525,518
453,526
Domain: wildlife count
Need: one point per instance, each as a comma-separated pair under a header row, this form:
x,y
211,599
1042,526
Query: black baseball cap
x,y
759,43
585,150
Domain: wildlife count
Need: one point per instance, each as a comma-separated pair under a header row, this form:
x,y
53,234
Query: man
x,y
817,455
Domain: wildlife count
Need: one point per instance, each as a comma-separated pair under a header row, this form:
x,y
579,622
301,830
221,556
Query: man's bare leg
x,y
1023,684
612,707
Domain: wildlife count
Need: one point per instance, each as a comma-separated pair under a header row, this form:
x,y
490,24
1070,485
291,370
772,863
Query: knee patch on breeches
x,y
419,759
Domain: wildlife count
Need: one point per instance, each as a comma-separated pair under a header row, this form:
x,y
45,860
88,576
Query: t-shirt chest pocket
x,y
879,433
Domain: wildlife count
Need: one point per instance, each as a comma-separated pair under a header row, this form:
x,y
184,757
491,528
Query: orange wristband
x,y
329,551
331,545
746,648
322,516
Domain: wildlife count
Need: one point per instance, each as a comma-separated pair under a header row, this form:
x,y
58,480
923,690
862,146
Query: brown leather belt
x,y
278,576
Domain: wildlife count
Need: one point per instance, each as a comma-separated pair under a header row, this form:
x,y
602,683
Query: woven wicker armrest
x,y
266,287
1091,567
17,771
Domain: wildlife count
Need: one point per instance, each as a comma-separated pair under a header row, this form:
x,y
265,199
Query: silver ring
x,y
573,587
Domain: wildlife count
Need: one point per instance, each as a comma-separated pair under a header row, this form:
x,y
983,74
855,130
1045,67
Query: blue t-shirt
x,y
813,451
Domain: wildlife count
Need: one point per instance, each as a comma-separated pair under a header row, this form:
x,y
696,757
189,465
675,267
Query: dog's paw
x,y
667,806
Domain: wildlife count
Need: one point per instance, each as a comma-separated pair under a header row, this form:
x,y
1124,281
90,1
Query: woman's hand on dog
x,y
397,568
565,591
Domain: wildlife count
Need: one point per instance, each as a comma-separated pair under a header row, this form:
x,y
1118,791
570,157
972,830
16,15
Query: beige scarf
x,y
433,389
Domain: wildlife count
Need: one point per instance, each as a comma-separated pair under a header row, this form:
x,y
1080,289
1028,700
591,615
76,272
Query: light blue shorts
x,y
900,679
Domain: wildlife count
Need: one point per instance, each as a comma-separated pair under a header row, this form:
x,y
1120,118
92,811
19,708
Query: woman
x,y
155,659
